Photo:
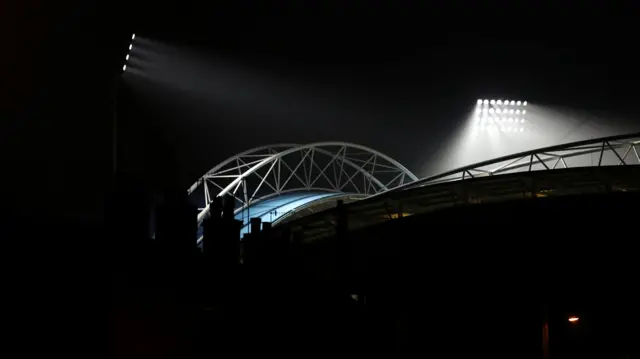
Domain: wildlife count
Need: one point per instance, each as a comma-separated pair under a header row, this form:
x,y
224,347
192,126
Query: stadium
x,y
296,187
391,208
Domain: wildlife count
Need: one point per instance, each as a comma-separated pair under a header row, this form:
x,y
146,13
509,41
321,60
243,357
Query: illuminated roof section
x,y
274,180
272,209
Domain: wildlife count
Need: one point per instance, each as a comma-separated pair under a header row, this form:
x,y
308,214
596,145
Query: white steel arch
x,y
268,171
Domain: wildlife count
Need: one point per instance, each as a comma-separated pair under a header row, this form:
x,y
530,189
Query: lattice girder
x,y
268,171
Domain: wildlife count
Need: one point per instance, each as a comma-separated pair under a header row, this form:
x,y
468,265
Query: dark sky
x,y
397,76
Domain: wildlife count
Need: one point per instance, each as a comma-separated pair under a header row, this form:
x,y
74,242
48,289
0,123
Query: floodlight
x,y
486,102
517,112
518,103
524,103
130,47
124,67
499,102
524,112
513,102
133,36
127,58
493,102
479,102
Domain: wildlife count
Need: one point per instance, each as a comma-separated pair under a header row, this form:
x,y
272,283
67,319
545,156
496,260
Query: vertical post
x,y
343,255
601,154
114,132
545,333
530,163
115,136
254,225
114,122
211,226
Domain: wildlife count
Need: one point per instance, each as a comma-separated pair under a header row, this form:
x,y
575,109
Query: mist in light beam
x,y
545,126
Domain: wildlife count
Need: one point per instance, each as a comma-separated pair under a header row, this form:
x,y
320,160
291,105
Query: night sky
x,y
396,76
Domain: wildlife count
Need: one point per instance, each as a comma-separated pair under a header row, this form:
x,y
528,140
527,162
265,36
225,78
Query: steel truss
x,y
568,169
607,151
264,172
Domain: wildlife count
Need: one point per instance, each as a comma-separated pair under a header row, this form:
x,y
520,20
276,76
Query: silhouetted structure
x,y
176,225
417,279
221,235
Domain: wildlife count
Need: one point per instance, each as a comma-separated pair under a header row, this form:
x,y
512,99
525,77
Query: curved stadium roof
x,y
283,183
273,182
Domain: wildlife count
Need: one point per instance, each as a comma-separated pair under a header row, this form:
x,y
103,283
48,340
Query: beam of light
x,y
241,89
130,46
573,319
133,36
127,58
237,89
124,68
487,134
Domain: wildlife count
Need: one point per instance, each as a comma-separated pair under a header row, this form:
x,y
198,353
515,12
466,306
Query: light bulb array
x,y
126,59
500,115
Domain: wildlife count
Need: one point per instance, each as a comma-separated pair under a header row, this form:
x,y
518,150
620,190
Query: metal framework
x,y
265,172
610,164
607,151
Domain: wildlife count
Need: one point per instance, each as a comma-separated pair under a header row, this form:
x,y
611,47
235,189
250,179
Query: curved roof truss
x,y
616,150
268,171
